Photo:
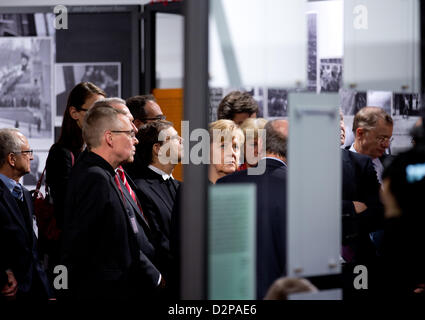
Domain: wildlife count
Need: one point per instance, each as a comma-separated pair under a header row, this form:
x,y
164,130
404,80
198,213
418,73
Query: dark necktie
x,y
171,188
17,192
121,174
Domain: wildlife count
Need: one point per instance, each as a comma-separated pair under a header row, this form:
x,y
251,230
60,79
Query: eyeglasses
x,y
29,152
131,133
159,117
384,139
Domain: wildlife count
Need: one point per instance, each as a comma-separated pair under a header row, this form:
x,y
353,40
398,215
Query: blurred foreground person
x,y
403,260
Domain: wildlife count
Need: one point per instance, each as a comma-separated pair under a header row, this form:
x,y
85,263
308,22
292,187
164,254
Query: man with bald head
x,y
271,204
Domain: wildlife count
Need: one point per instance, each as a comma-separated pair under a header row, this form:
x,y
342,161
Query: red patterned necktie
x,y
121,174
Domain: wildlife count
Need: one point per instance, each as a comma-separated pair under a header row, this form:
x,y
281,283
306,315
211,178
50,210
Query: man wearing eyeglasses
x,y
373,130
144,109
106,237
26,279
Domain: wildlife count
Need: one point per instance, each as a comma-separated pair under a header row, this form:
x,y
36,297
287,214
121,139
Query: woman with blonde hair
x,y
226,139
251,128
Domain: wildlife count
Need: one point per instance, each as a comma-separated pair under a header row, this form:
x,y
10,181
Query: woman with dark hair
x,y
70,144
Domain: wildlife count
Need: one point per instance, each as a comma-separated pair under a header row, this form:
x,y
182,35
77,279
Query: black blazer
x,y
18,243
359,183
271,221
105,244
157,204
58,171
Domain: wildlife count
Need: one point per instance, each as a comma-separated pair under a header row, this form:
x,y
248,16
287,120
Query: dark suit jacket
x,y
271,221
157,204
360,183
105,241
58,171
18,243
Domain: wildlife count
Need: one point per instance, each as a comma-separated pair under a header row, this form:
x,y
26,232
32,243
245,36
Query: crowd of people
x,y
116,202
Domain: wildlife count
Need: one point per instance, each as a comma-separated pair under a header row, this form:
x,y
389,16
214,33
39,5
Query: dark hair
x,y
137,104
276,141
236,102
71,136
148,136
406,173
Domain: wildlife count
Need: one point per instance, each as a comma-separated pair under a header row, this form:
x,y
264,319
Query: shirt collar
x,y
10,183
275,159
164,175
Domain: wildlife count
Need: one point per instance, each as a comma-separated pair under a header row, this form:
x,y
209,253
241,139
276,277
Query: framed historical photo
x,y
105,75
26,75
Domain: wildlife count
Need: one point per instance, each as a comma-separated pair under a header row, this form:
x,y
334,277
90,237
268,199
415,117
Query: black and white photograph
x,y
216,94
312,52
37,166
330,74
277,102
380,99
352,101
406,105
26,24
105,75
25,85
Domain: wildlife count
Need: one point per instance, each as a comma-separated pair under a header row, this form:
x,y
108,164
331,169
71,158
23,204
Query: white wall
x,y
32,3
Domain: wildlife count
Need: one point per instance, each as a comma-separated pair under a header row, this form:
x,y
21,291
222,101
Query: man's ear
x,y
138,123
108,138
11,159
155,149
73,112
360,132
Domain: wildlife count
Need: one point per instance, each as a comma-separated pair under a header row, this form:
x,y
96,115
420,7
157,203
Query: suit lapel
x,y
159,189
10,202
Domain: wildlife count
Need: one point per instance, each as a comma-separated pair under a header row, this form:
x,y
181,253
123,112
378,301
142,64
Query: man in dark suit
x,y
159,151
271,206
107,241
18,228
362,213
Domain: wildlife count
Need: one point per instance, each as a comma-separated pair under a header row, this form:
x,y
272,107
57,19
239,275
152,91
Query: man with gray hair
x,y
107,247
25,277
271,205
373,130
